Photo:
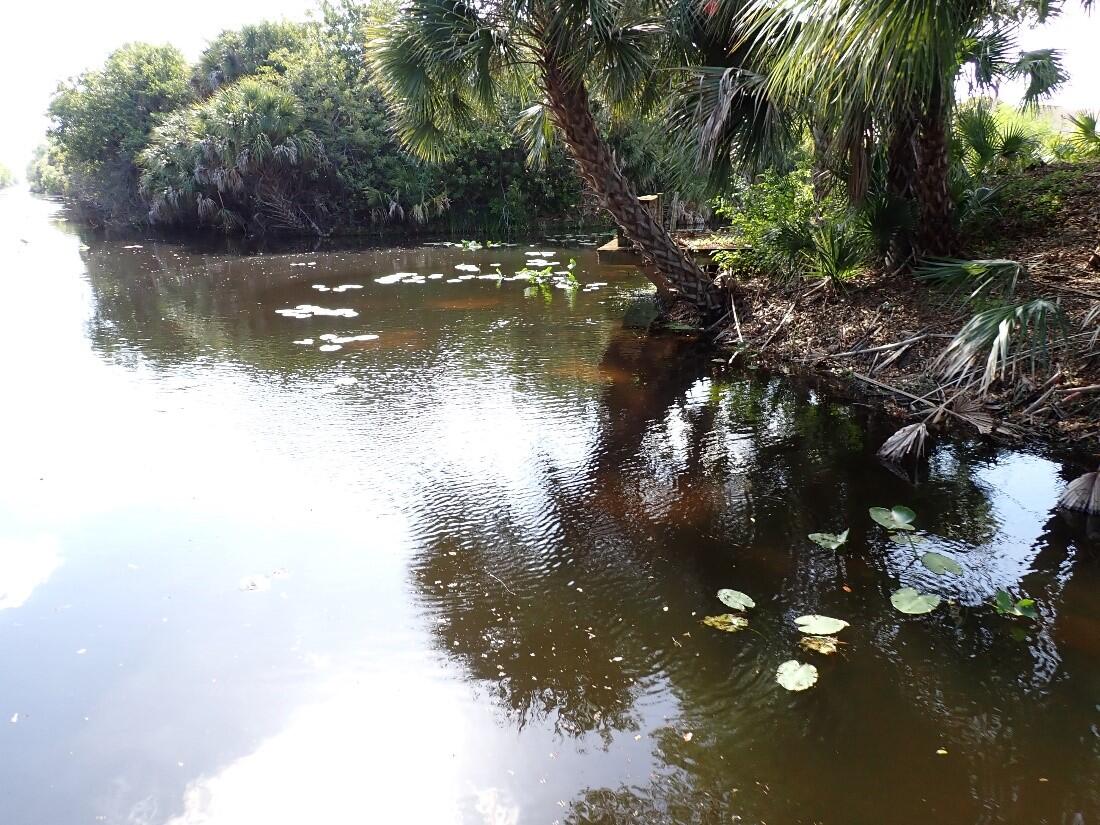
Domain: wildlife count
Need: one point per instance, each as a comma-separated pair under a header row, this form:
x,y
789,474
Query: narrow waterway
x,y
281,543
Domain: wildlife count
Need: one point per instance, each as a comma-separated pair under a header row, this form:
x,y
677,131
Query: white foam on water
x,y
468,267
329,347
305,342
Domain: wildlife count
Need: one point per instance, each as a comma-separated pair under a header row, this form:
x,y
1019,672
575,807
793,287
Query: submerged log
x,y
1083,495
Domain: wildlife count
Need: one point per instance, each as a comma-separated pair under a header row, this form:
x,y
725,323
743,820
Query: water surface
x,y
456,573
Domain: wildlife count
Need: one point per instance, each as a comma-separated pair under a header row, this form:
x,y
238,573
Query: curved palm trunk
x,y
936,232
672,270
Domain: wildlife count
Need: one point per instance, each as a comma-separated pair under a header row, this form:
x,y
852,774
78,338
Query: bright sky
x,y
50,41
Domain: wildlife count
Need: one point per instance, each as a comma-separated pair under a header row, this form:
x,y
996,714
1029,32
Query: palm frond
x,y
1005,339
1043,71
976,278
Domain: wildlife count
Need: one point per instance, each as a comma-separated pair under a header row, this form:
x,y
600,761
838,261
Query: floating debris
x,y
728,622
794,675
1082,495
826,645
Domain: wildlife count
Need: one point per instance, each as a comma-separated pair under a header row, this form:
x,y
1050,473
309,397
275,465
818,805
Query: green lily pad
x,y
829,541
896,518
795,675
940,564
815,625
735,599
825,645
727,622
908,600
1006,606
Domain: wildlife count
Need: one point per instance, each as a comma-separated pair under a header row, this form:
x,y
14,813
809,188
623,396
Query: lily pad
x,y
735,599
1006,606
727,622
941,564
896,518
815,625
795,675
908,600
825,645
830,541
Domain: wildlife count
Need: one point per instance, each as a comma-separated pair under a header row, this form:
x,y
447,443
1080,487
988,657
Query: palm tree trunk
x,y
936,231
673,271
901,182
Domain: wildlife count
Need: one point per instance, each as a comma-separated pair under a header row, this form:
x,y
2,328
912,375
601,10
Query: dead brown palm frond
x,y
1082,495
972,410
1092,319
908,441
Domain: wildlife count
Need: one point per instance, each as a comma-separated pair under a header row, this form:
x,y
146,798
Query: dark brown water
x,y
455,574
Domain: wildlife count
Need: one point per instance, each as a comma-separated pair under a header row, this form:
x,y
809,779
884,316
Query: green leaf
x,y
1025,608
908,600
727,622
896,518
829,541
940,564
735,599
816,625
795,675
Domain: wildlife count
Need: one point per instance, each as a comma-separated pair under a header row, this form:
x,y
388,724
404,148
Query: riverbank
x,y
886,335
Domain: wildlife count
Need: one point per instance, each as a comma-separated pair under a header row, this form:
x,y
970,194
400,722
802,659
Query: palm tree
x,y
892,67
445,61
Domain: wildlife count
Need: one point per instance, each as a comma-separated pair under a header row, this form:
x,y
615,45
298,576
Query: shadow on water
x,y
572,599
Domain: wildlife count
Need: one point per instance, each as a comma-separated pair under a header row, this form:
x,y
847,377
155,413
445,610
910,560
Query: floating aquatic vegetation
x,y
795,675
825,645
910,601
727,622
329,347
896,518
940,564
1005,605
817,625
829,541
347,339
309,310
735,599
